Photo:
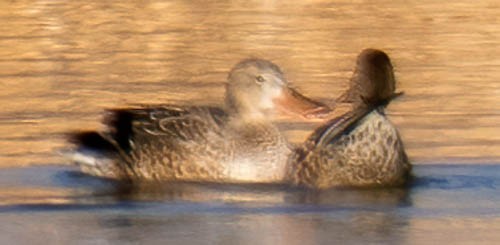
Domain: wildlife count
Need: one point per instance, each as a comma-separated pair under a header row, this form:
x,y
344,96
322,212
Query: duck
x,y
360,148
234,143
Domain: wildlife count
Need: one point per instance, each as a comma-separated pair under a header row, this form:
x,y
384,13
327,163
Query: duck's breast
x,y
259,154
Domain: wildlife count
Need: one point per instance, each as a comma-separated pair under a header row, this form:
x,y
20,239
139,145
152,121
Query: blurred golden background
x,y
62,62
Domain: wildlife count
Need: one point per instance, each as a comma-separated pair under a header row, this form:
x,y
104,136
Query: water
x,y
57,205
62,62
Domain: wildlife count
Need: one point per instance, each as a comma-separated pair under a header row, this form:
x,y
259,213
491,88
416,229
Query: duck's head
x,y
373,82
257,87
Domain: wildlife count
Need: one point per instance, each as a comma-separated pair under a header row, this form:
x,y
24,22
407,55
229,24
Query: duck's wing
x,y
336,128
165,122
141,131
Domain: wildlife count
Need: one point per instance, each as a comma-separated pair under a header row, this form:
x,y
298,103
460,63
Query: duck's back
x,y
367,151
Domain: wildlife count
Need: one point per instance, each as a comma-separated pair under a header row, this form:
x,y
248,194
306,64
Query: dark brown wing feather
x,y
336,127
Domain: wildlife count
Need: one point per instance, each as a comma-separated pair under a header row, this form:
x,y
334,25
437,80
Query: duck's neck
x,y
248,118
241,111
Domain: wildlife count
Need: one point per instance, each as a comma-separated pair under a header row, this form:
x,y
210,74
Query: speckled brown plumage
x,y
362,147
234,144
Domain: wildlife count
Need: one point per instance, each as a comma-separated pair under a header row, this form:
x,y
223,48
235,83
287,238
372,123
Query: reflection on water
x,y
62,62
444,203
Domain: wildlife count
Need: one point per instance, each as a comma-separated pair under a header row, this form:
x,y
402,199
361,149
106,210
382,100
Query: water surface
x,y
445,204
62,62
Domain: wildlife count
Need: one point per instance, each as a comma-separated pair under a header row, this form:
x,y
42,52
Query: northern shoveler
x,y
362,147
234,144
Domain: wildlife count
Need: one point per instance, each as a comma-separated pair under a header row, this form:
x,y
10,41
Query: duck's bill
x,y
293,102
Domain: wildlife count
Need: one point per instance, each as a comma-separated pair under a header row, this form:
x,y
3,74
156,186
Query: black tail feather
x,y
92,140
120,125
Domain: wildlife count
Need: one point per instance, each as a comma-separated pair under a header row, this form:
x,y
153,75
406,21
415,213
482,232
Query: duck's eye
x,y
259,79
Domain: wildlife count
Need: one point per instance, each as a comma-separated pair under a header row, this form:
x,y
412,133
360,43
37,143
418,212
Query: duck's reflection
x,y
105,212
262,214
251,195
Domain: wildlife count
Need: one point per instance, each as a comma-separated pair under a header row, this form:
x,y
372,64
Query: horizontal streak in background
x,y
62,62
